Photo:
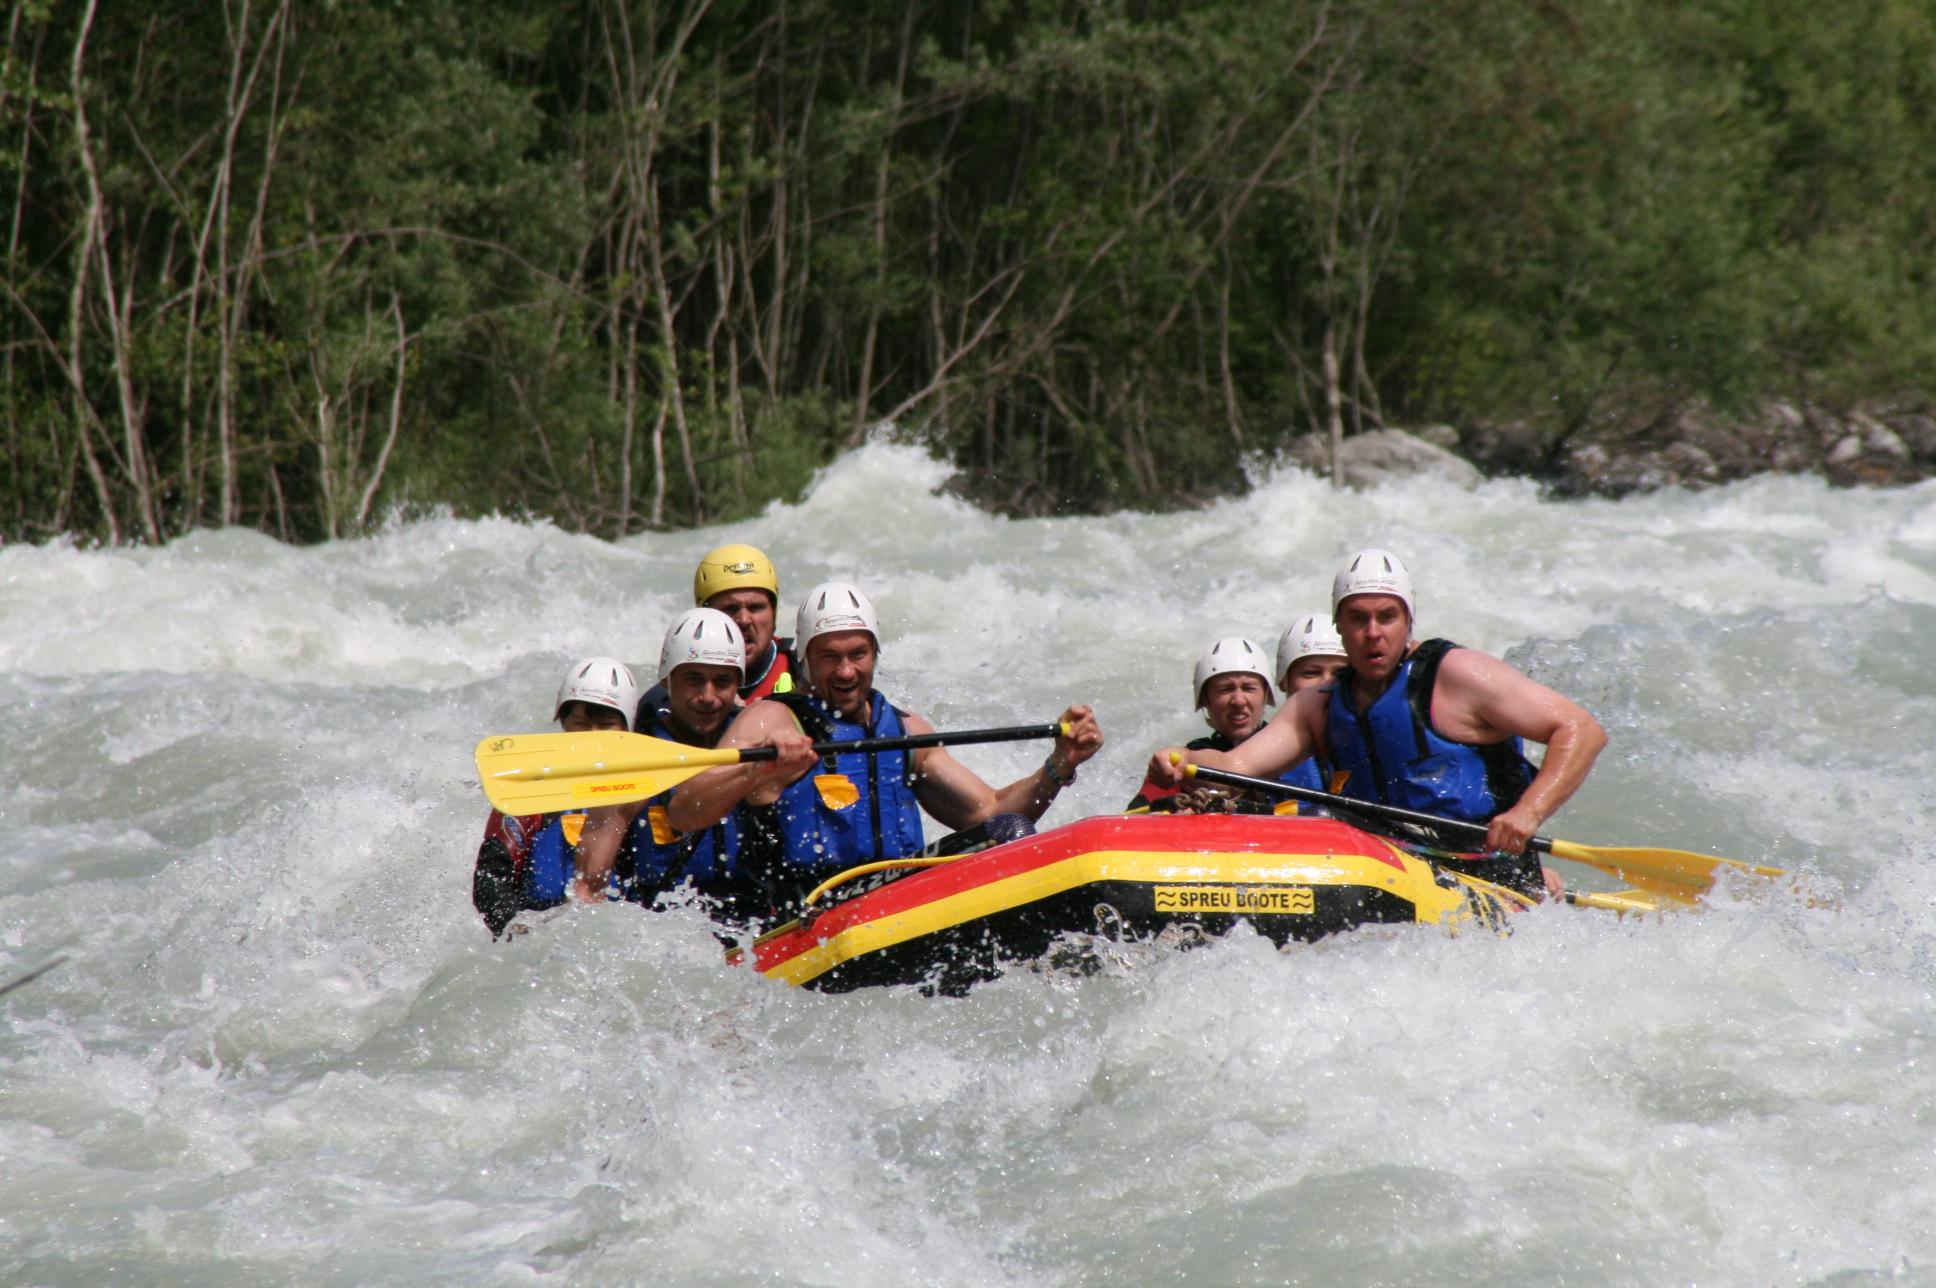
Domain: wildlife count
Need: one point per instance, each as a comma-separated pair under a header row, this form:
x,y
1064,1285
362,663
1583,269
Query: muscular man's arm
x,y
1482,699
704,799
957,797
598,843
1293,734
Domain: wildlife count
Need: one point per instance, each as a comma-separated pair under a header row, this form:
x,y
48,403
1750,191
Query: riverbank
x,y
1683,445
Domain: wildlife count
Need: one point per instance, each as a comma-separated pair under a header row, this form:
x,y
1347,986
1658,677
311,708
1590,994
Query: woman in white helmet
x,y
1232,686
1429,727
598,693
701,664
837,645
524,862
1309,654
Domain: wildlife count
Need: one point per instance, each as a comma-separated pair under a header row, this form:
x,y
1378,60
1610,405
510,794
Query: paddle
x,y
1677,874
30,976
539,773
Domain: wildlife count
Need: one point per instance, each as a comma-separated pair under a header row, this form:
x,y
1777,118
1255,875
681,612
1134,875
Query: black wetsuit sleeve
x,y
494,886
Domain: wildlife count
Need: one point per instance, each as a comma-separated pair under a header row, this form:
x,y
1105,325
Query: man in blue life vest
x,y
740,581
837,645
525,860
701,663
1428,726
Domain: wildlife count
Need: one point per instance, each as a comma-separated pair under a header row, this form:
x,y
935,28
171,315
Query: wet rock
x,y
1689,463
1381,455
1636,448
1877,438
1783,418
1847,450
1918,434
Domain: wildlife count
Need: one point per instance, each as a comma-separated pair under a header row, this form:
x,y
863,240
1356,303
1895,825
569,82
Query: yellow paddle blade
x,y
1678,874
1620,901
541,773
836,790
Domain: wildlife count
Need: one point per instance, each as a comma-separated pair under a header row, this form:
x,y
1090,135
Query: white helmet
x,y
1232,653
706,636
1312,635
602,682
1372,572
829,608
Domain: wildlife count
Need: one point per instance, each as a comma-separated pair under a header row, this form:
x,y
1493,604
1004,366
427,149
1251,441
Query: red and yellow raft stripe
x,y
1223,851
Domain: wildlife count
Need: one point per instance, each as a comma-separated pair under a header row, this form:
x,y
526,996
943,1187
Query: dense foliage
x,y
295,263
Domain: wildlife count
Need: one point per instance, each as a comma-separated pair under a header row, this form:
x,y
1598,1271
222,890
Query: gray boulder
x,y
1381,455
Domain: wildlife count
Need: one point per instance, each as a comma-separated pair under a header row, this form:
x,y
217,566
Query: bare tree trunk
x,y
1333,403
1232,409
229,502
673,379
396,419
134,417
629,421
15,442
658,467
134,455
281,506
722,260
84,415
325,456
864,388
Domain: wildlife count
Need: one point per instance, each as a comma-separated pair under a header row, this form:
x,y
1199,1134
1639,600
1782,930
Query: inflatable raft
x,y
948,923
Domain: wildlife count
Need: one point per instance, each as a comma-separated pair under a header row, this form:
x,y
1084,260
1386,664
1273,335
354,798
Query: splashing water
x,y
282,1048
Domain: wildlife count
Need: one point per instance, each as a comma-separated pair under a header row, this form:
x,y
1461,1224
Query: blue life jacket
x,y
885,823
1395,757
705,858
1308,774
553,855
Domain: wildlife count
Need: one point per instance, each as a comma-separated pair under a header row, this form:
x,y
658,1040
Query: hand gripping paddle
x,y
1679,875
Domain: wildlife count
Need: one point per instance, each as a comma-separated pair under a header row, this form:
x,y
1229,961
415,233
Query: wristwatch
x,y
1060,780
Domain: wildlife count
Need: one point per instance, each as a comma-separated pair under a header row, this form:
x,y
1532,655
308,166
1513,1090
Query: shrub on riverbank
x,y
629,264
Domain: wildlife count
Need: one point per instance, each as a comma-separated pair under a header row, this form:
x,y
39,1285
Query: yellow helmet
x,y
734,568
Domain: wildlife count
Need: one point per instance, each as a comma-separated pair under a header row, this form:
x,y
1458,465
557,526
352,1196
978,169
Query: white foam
x,y
239,800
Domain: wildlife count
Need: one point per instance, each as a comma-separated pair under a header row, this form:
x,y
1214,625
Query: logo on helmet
x,y
739,569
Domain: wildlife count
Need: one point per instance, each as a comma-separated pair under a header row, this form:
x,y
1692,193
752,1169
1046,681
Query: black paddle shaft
x,y
1539,844
1015,733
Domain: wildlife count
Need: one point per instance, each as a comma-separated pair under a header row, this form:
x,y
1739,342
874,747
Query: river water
x,y
238,800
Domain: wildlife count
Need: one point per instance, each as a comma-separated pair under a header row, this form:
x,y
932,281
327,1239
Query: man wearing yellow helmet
x,y
740,582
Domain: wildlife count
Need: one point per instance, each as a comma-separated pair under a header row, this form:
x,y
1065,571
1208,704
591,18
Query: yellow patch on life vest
x,y
837,791
573,826
662,833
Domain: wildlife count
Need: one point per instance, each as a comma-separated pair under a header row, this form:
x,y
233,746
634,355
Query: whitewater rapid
x,y
238,800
